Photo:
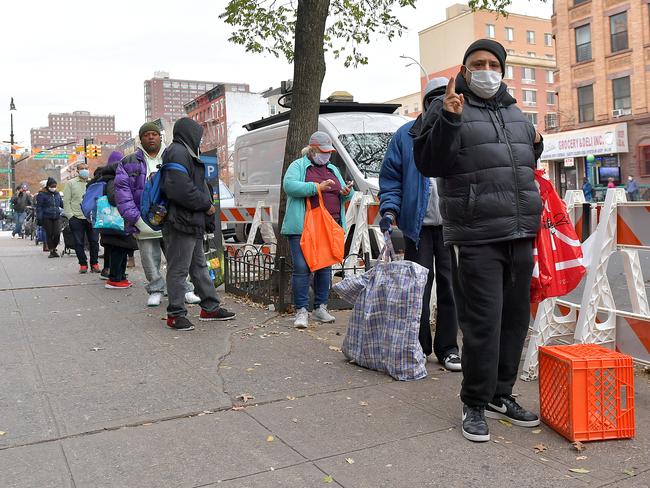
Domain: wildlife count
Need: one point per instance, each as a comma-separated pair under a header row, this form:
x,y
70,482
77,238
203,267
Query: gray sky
x,y
94,55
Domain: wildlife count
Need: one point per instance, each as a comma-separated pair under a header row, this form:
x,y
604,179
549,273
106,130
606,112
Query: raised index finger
x,y
451,86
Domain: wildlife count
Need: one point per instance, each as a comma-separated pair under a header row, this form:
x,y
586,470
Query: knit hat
x,y
148,126
434,88
50,182
115,156
491,46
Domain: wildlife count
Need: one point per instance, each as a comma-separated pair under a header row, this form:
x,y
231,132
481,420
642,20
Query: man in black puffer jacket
x,y
190,214
483,150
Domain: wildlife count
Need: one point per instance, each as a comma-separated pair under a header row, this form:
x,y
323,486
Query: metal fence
x,y
264,279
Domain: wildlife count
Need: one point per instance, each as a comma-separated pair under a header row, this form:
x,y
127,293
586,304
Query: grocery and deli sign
x,y
604,139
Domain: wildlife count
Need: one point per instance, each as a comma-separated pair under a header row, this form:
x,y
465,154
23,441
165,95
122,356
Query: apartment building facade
x,y
74,127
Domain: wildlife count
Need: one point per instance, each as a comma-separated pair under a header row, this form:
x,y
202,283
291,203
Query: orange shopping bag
x,y
322,238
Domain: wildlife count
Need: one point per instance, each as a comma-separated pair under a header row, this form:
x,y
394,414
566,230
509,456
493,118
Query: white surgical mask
x,y
52,189
321,159
484,83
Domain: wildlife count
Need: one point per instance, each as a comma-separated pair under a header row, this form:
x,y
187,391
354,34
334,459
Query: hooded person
x,y
410,200
483,151
49,206
130,177
190,214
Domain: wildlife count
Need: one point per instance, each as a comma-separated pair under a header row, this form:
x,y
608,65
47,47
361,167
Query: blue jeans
x,y
301,276
20,219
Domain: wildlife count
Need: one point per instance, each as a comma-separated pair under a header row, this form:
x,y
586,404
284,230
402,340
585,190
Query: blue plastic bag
x,y
108,217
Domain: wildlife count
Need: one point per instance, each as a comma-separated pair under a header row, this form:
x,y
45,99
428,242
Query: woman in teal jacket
x,y
301,181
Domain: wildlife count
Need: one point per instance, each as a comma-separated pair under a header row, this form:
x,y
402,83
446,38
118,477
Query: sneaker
x,y
452,362
507,408
475,427
95,268
154,299
104,274
118,285
83,269
219,314
322,315
302,319
192,298
179,323
53,254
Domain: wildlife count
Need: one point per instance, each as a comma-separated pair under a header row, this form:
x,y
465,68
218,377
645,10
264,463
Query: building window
x,y
548,39
510,34
644,158
528,74
273,110
511,91
549,76
621,91
532,116
531,54
489,30
509,72
618,31
510,51
550,98
529,98
586,103
530,37
583,43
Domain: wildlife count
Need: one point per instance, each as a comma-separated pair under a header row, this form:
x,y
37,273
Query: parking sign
x,y
211,168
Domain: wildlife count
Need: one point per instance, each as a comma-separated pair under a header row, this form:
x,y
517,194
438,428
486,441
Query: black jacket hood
x,y
188,132
428,98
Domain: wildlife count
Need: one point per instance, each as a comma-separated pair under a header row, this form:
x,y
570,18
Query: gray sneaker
x,y
322,315
302,319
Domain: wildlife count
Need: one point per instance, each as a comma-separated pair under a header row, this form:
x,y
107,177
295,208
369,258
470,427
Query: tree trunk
x,y
308,75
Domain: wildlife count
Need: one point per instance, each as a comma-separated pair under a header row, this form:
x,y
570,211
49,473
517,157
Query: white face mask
x,y
484,83
321,159
52,189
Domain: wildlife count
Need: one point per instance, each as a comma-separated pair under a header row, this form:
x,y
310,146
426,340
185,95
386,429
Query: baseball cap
x,y
322,141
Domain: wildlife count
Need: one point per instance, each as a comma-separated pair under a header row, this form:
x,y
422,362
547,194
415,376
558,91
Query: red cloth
x,y
331,198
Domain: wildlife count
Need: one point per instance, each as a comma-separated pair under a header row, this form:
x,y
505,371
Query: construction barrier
x,y
618,226
362,219
259,218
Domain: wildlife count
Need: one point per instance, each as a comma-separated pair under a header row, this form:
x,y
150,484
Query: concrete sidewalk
x,y
95,391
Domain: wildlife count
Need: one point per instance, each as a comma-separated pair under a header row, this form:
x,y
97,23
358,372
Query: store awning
x,y
603,139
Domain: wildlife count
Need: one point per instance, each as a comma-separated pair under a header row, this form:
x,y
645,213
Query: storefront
x,y
594,152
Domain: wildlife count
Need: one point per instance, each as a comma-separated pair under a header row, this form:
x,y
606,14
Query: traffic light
x,y
90,151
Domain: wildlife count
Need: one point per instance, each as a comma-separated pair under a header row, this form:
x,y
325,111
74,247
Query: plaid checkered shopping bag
x,y
382,333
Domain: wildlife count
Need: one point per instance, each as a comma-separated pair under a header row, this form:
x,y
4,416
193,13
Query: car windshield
x,y
224,192
367,150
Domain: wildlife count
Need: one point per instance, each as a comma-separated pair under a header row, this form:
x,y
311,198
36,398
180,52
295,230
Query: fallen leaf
x,y
579,470
349,460
147,424
272,468
289,397
225,367
237,408
543,459
245,397
539,448
496,441
536,431
270,438
334,348
581,458
363,404
95,349
507,423
579,446
434,378
295,421
257,364
2,433
327,362
629,472
250,369
328,479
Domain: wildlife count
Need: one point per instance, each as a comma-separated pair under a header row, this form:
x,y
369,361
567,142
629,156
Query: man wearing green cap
x,y
130,177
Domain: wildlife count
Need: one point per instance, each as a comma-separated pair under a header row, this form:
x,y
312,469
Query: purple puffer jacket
x,y
130,177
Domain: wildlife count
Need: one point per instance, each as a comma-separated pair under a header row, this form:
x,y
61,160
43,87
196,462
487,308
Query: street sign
x,y
50,156
211,168
568,162
5,171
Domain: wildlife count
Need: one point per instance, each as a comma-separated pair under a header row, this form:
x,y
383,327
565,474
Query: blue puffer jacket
x,y
403,190
48,205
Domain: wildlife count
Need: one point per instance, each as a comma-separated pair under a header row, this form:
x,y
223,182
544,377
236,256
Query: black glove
x,y
386,222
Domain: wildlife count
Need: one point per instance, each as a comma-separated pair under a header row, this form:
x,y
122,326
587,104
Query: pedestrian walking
x,y
632,189
484,150
190,214
587,189
49,207
19,203
610,183
411,200
130,177
302,180
81,228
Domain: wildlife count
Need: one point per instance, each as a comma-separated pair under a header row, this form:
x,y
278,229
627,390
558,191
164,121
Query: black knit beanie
x,y
146,127
491,46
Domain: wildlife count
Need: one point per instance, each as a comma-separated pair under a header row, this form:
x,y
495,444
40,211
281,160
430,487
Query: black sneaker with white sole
x,y
475,427
451,362
179,323
507,408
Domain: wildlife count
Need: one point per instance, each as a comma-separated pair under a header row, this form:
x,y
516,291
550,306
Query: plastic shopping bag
x,y
322,240
383,330
108,217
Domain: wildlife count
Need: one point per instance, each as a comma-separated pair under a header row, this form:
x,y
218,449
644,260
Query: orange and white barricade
x,y
362,219
259,218
620,226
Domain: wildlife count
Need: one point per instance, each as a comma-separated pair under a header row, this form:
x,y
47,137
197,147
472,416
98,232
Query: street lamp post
x,y
415,61
12,165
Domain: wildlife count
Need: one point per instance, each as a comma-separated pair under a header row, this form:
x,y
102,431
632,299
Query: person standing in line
x,y
49,207
190,214
405,192
81,228
130,178
587,189
632,189
19,203
483,150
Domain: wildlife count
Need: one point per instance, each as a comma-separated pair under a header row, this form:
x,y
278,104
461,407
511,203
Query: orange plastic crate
x,y
586,392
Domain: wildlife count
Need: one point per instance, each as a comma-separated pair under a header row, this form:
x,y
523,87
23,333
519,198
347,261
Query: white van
x,y
360,133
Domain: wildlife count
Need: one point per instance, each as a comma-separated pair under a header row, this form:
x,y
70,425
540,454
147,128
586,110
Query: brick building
x,y
74,127
530,64
223,111
411,105
603,90
165,98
